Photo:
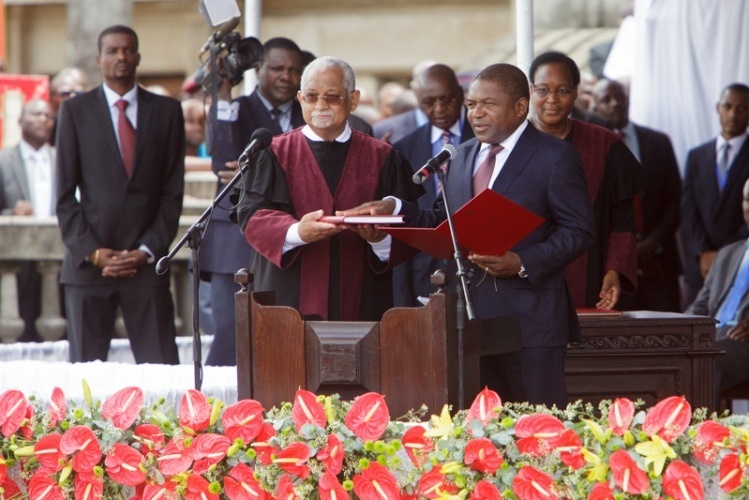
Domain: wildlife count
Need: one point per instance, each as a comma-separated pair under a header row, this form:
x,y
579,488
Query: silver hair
x,y
330,62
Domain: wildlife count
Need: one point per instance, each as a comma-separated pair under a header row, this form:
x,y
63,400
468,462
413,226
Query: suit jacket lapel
x,y
518,159
461,169
729,272
19,172
736,178
145,109
103,116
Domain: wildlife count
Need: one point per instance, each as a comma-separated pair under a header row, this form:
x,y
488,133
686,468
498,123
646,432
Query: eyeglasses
x,y
330,99
545,92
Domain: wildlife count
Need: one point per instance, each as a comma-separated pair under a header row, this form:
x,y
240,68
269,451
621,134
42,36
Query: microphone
x,y
261,139
448,153
220,33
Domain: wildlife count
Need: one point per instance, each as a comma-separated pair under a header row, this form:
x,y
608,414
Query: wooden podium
x,y
410,355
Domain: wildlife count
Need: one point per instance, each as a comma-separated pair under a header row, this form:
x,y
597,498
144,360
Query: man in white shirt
x,y
27,189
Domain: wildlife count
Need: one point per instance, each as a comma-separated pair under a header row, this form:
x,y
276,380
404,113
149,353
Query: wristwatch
x,y
522,273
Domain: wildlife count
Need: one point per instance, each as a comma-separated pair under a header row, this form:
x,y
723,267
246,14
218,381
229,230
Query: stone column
x,y
51,324
11,325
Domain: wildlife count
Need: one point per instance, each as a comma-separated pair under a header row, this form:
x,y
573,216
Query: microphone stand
x,y
464,303
194,238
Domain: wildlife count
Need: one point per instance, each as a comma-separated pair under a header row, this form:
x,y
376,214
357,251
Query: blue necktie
x,y
730,306
723,165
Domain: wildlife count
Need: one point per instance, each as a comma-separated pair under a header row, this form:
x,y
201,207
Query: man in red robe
x,y
328,271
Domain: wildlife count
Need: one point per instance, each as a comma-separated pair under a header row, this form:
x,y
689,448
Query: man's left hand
x,y
380,207
501,266
127,264
740,332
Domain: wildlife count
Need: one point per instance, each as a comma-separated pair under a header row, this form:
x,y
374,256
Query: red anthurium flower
x,y
368,417
88,486
123,465
682,482
669,418
485,407
47,451
417,445
56,408
375,483
293,459
307,410
570,448
240,484
175,459
332,454
285,489
3,470
330,488
150,437
433,484
627,475
601,491
709,439
12,411
243,420
207,450
198,489
194,411
81,443
485,490
165,491
11,491
123,407
482,455
26,430
538,434
263,450
532,484
43,486
620,415
731,472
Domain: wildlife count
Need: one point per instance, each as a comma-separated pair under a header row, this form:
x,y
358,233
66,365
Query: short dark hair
x,y
510,78
117,29
282,43
555,57
736,87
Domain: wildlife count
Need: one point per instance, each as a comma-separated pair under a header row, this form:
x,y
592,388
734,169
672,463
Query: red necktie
x,y
127,137
486,169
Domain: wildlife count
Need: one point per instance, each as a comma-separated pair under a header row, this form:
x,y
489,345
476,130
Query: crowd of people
x,y
555,142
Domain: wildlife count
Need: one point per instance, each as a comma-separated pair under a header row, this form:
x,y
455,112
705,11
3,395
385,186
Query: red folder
x,y
489,224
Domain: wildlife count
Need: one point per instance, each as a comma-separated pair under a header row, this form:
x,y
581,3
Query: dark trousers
x,y
533,374
148,313
224,349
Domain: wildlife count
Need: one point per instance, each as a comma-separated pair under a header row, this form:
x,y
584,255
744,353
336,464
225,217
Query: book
x,y
488,224
362,219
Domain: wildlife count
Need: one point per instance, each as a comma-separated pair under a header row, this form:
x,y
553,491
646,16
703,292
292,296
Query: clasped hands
x,y
118,263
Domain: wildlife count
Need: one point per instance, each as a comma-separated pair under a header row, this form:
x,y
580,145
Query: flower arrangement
x,y
320,447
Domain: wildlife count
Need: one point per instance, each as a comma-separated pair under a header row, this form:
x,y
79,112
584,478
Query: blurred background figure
x,y
396,127
67,83
27,188
196,157
385,97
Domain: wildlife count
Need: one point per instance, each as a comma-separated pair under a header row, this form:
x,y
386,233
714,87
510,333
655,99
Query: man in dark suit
x,y
225,250
544,175
441,99
122,148
711,196
27,188
730,307
656,210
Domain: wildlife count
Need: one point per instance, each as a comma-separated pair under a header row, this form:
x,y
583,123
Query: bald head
x,y
610,101
36,121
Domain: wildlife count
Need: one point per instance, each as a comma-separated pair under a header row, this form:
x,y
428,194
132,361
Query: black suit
x,y
710,218
658,288
412,278
121,213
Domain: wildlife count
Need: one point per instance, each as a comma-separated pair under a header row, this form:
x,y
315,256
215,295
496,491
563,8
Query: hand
x,y
23,207
367,231
125,264
224,176
610,291
740,332
501,266
706,260
386,137
310,230
381,207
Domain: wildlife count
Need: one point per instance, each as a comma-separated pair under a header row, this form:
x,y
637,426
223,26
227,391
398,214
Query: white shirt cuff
x,y
382,248
227,112
148,251
292,238
398,204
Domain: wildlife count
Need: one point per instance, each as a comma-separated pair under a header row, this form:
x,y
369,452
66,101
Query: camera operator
x,y
273,105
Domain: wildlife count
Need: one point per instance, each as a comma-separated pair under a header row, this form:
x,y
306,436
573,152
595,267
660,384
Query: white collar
x,y
112,97
312,136
509,143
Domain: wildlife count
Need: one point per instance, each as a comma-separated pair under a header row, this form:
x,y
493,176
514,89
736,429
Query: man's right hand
x,y
23,207
113,263
310,230
380,207
224,176
706,260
